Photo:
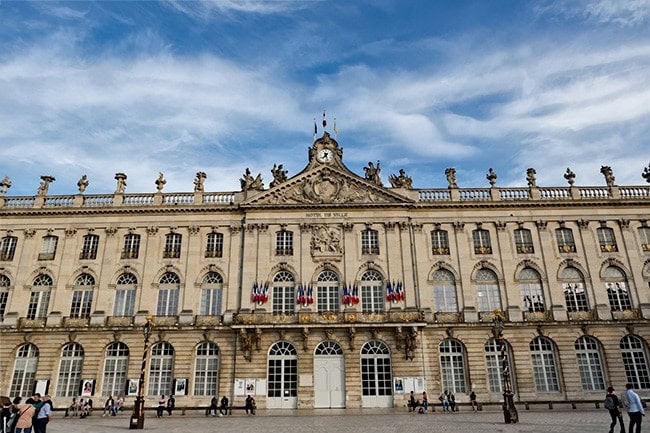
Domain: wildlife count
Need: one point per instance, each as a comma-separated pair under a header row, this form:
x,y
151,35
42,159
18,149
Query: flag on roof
x,y
324,120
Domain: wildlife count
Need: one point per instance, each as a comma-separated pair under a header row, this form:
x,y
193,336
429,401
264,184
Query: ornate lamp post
x,y
510,414
137,417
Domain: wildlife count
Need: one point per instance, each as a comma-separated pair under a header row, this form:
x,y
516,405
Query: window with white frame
x,y
482,244
617,289
24,374
544,365
131,247
573,286
373,299
370,242
530,290
284,296
48,252
444,292
90,246
327,292
206,369
452,366
376,371
39,299
125,291
116,367
524,241
8,248
606,240
644,234
168,292
565,241
282,370
488,297
161,364
589,364
635,361
82,296
172,246
211,293
494,364
5,283
214,247
439,242
284,243
72,359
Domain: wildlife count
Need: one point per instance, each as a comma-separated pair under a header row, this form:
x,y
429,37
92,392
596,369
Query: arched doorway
x,y
376,375
329,375
282,392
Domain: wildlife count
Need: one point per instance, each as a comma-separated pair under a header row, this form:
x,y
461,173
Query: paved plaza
x,y
349,421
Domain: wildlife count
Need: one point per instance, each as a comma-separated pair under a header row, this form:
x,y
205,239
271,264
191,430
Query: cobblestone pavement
x,y
350,421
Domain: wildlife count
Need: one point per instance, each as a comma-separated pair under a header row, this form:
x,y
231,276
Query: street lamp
x,y
137,417
510,414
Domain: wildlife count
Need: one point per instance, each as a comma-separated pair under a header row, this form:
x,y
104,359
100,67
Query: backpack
x,y
609,403
625,400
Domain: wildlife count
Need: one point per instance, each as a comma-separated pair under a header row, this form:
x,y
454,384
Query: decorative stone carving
x,y
411,343
234,229
491,177
530,177
371,173
5,184
246,343
160,182
347,227
152,230
624,223
29,233
70,232
458,226
541,225
645,174
305,339
325,241
501,225
401,181
83,183
451,177
111,230
121,183
249,183
193,230
570,176
199,181
606,171
279,175
45,185
352,333
583,224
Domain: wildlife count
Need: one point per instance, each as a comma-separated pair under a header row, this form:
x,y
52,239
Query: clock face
x,y
325,155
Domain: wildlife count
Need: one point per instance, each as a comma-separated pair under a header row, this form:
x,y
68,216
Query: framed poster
x,y
240,387
250,386
87,387
42,386
132,389
180,386
399,385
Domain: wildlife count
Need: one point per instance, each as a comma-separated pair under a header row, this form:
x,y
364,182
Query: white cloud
x,y
206,9
620,12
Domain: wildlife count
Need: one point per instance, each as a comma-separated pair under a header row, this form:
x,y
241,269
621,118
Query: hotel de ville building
x,y
327,289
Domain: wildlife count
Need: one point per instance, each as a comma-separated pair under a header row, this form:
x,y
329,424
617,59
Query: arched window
x,y
573,285
617,290
25,365
39,299
452,366
530,290
125,292
5,283
591,369
282,371
160,369
284,298
494,363
168,293
444,291
488,297
328,348
116,367
211,294
544,365
82,296
206,369
372,292
327,292
635,361
72,359
376,371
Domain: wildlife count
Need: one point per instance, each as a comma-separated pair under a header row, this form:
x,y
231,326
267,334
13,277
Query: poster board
x,y
180,386
132,389
87,387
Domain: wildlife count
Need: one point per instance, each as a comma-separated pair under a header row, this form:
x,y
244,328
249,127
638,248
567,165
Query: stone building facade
x,y
326,289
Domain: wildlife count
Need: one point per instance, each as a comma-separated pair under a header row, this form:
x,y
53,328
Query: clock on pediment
x,y
325,155
326,150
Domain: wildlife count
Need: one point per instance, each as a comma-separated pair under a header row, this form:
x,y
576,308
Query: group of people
x,y
631,402
218,408
112,406
447,400
165,403
81,407
32,415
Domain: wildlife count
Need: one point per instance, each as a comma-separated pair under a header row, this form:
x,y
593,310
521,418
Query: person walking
x,y
632,403
412,403
425,401
613,405
108,406
161,407
24,415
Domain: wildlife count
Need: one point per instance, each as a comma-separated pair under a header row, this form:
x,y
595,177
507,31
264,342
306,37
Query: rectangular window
x,y
575,297
38,304
4,296
89,249
327,298
49,248
532,297
211,302
488,298
644,234
444,298
131,246
284,243
565,242
124,303
172,246
370,242
8,248
439,242
214,247
482,243
82,301
606,240
284,301
373,299
524,241
167,302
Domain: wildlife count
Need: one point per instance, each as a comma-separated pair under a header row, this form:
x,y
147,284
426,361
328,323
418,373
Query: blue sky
x,y
180,86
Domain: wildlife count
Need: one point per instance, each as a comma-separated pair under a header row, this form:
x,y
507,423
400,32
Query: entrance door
x,y
376,375
329,376
282,391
